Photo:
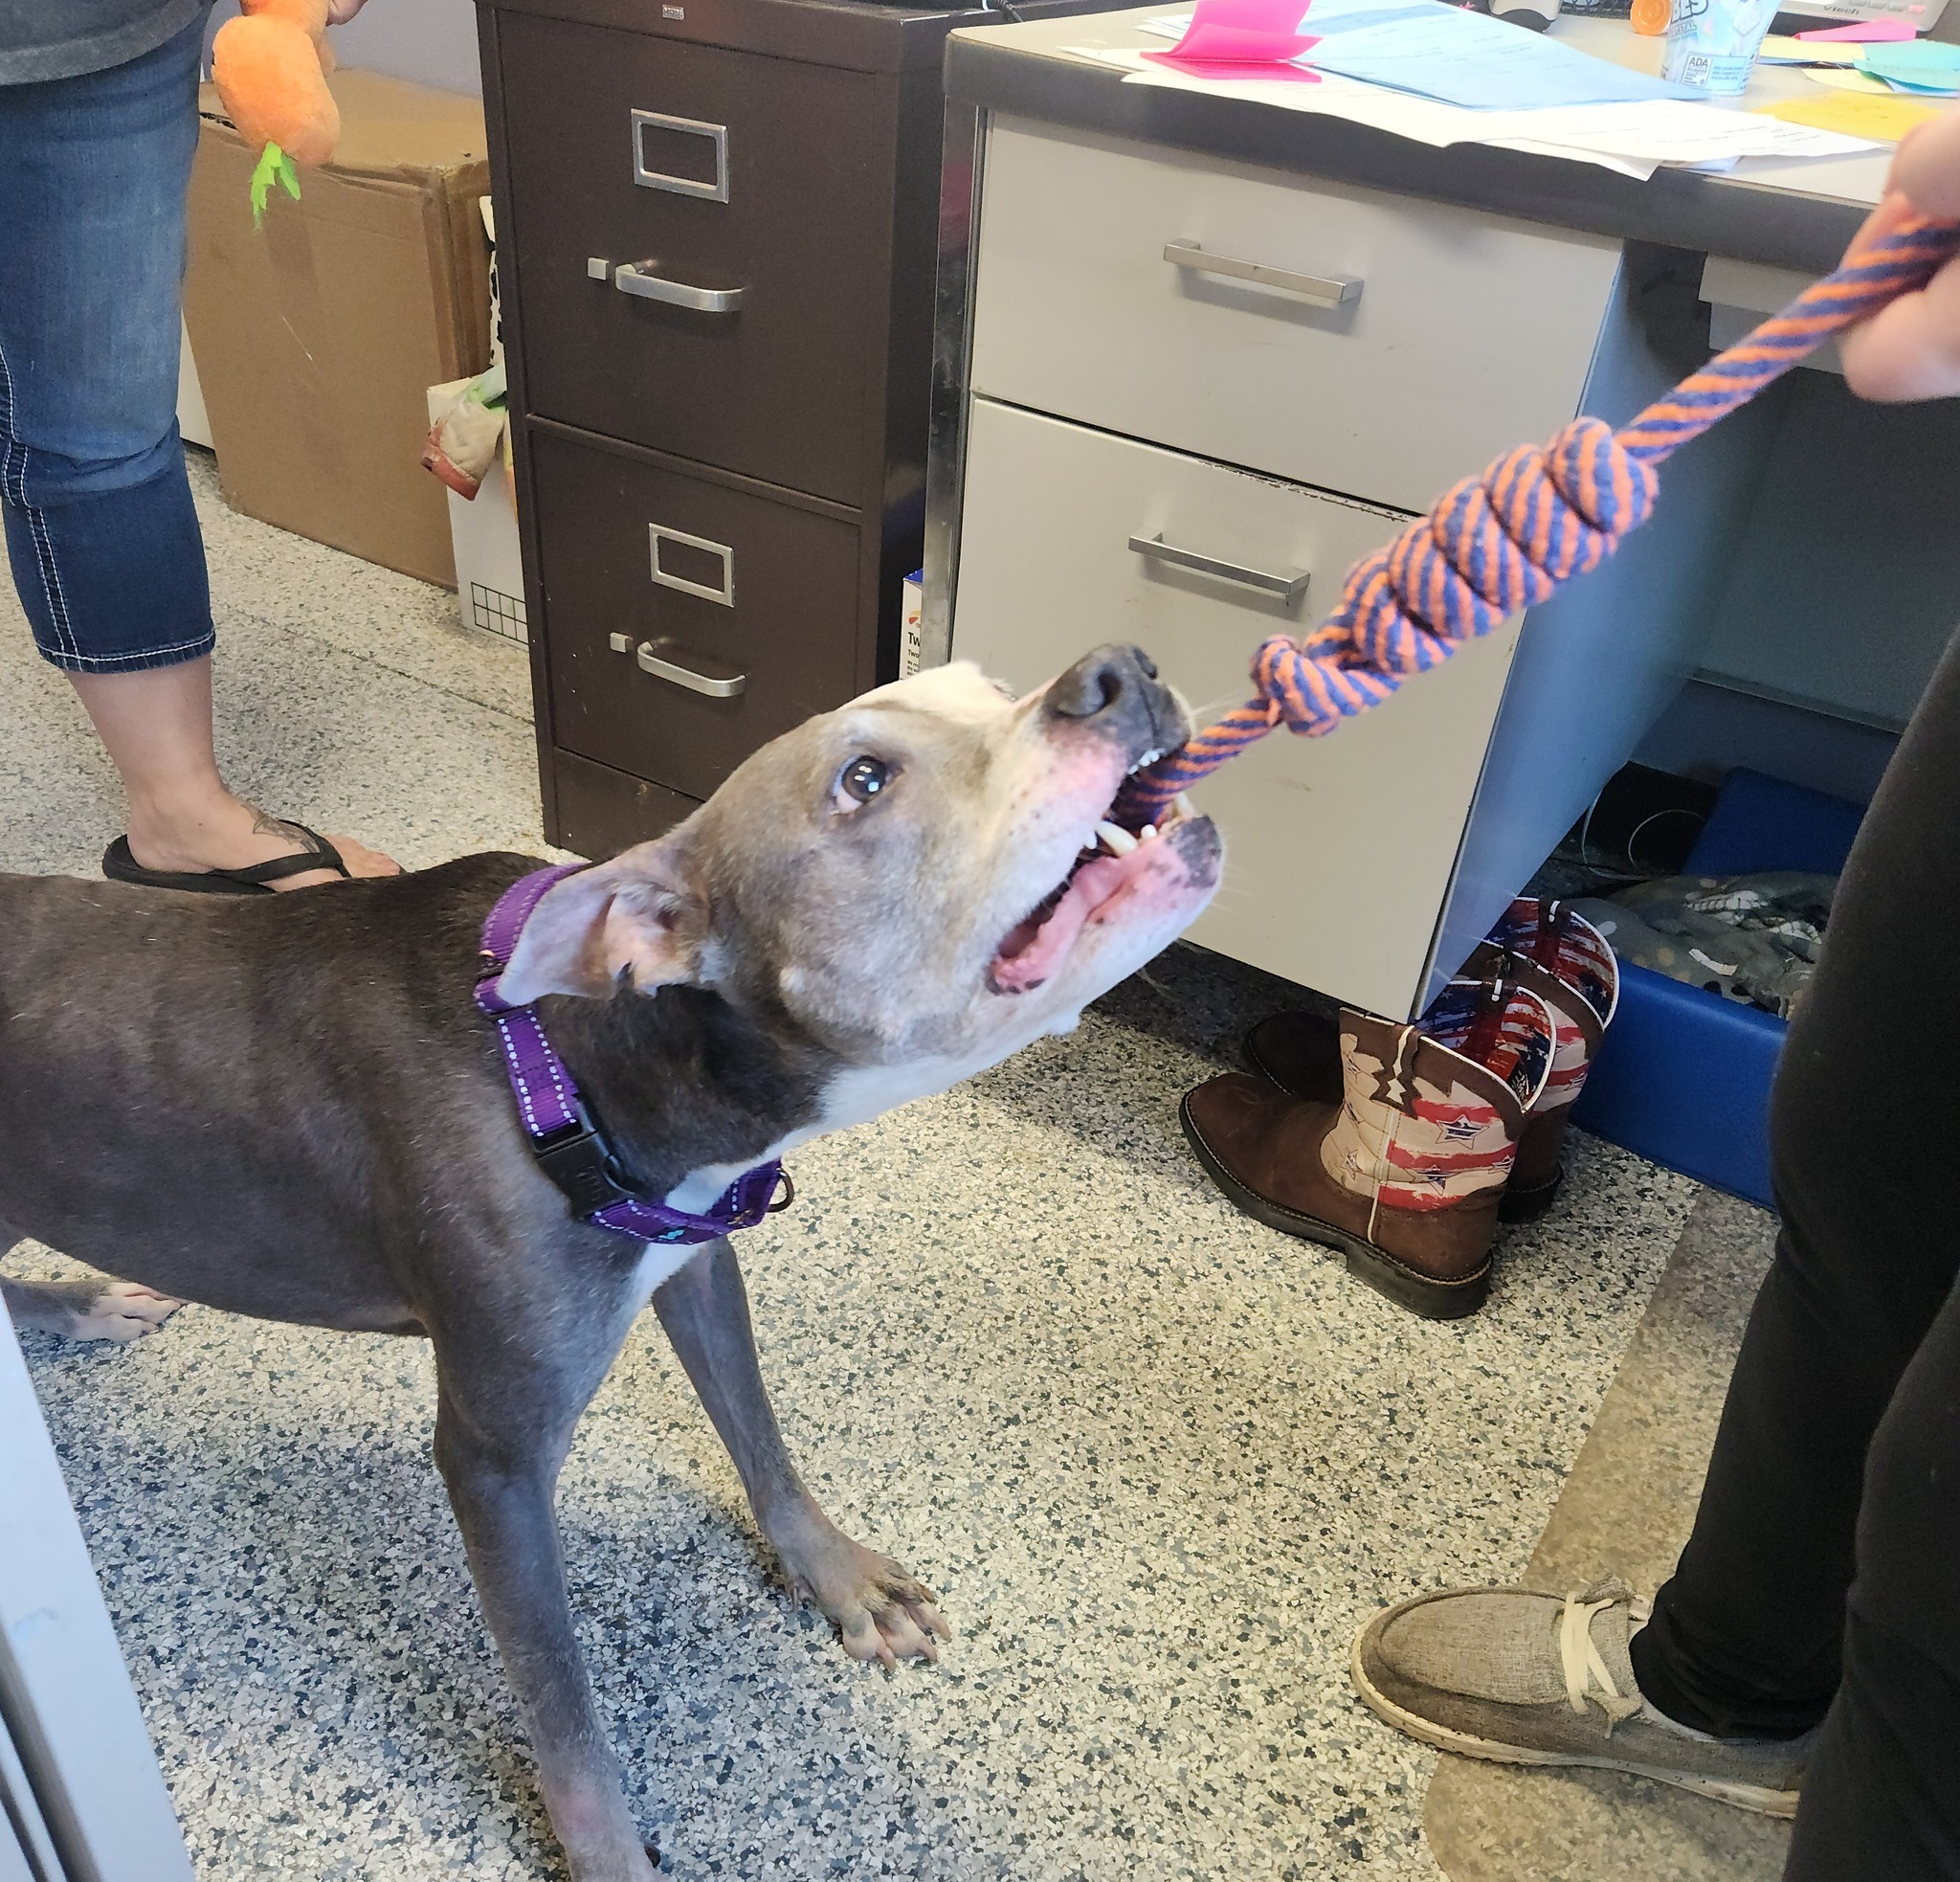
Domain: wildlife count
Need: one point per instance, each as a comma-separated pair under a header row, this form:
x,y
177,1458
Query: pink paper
x,y
1860,33
1265,70
1243,33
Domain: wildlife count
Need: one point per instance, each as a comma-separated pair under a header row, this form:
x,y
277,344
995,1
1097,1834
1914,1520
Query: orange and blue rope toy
x,y
1511,537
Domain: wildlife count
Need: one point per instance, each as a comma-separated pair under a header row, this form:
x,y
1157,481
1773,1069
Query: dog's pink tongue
x,y
1026,960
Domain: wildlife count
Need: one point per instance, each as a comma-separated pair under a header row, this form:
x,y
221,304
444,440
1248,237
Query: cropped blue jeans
x,y
101,531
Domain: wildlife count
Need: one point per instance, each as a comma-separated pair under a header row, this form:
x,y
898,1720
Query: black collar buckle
x,y
575,1157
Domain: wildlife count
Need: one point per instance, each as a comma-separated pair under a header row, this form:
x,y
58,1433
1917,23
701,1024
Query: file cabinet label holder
x,y
716,192
723,592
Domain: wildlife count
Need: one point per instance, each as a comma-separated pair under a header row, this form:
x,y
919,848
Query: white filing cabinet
x,y
1123,385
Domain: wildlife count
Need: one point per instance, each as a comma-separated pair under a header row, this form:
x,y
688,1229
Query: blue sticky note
x,y
1925,55
1464,58
1926,67
1326,17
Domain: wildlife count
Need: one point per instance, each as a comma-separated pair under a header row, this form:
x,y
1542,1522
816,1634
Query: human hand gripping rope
x,y
1514,535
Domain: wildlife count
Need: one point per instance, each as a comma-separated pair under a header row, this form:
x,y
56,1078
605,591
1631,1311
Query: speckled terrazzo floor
x,y
1158,1460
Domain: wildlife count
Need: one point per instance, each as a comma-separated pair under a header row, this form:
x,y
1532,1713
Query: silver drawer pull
x,y
649,654
729,686
1316,290
724,592
633,278
1290,588
716,192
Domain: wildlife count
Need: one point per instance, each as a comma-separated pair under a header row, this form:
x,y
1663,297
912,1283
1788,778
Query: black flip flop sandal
x,y
120,867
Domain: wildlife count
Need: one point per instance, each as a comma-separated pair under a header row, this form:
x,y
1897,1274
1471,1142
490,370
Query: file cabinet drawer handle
x,y
716,192
650,656
722,593
732,686
1289,587
1316,290
634,278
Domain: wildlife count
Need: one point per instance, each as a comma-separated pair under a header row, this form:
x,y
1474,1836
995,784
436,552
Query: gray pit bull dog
x,y
288,1106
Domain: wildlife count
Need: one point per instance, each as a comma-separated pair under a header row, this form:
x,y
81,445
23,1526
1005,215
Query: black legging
x,y
1823,1579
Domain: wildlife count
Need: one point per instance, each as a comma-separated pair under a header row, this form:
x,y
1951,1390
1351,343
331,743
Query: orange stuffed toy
x,y
270,66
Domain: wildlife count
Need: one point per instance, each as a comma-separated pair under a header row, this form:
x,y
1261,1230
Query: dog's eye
x,y
862,780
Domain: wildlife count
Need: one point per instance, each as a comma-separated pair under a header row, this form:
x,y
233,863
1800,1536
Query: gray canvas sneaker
x,y
1526,1678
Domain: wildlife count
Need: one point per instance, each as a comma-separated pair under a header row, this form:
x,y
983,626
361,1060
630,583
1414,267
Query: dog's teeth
x,y
1116,840
1183,805
1147,834
1144,762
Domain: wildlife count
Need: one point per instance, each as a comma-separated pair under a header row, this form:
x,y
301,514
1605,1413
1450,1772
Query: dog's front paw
x,y
881,1612
116,1311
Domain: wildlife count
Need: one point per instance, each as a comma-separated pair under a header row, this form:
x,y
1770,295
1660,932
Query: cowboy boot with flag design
x,y
1568,964
1402,1164
1544,946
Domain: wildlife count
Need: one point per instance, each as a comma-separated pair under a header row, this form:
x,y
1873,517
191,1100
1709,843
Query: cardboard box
x,y
193,422
317,335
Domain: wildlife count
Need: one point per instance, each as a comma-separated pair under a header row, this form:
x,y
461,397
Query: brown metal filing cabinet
x,y
716,224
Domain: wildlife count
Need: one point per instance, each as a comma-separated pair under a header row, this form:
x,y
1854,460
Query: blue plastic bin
x,y
1684,1076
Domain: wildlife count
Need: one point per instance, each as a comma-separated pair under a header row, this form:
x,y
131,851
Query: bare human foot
x,y
157,725
881,1612
224,832
116,1311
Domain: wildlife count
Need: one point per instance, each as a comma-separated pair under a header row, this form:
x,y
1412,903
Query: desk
x,y
1099,400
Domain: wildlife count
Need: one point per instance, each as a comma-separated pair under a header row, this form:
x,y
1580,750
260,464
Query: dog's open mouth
x,y
1037,944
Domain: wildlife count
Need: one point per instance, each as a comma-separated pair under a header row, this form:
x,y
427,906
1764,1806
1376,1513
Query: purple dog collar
x,y
564,1138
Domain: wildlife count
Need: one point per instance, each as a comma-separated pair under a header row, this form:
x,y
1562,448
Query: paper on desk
x,y
1776,50
1286,71
1634,140
1420,120
1863,32
1884,119
1931,53
1238,32
1470,60
1842,78
1673,131
1927,66
1454,57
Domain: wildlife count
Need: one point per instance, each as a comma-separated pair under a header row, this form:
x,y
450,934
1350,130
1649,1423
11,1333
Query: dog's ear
x,y
639,920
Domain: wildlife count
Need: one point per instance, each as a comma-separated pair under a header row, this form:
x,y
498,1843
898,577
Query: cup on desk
x,y
1712,44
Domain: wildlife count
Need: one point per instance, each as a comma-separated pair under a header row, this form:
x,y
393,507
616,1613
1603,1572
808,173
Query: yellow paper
x,y
1888,119
1840,80
1776,50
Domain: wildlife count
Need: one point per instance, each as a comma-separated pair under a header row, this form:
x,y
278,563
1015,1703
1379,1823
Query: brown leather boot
x,y
1402,1167
1562,958
1299,1052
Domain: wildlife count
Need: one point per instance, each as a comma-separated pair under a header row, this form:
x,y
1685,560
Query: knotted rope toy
x,y
1514,535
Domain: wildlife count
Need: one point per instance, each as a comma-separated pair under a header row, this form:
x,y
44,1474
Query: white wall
x,y
430,41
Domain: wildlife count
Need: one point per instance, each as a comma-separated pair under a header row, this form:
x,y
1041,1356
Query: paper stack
x,y
1439,76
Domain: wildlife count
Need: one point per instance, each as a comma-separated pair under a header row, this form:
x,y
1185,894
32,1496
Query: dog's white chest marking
x,y
660,1262
861,1093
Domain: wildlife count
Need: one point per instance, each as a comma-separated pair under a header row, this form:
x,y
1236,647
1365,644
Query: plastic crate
x,y
1684,1076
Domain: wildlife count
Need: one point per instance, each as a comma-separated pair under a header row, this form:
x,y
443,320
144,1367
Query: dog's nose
x,y
1111,679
